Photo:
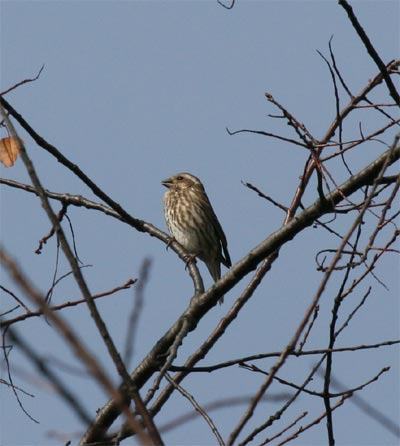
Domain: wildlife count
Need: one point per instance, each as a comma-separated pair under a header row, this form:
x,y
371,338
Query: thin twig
x,y
198,408
271,135
262,195
15,297
222,365
293,423
136,310
25,81
226,6
22,317
313,423
329,395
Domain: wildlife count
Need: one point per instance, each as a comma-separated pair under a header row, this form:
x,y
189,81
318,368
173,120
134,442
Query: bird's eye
x,y
180,178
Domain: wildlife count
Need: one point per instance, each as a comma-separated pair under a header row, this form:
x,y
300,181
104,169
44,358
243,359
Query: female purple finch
x,y
192,222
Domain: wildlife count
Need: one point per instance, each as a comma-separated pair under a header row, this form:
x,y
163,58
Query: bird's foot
x,y
170,240
189,258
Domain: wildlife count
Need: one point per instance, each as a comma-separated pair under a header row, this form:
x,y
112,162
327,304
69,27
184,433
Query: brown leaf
x,y
8,151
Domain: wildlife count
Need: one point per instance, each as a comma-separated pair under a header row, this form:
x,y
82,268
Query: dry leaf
x,y
8,151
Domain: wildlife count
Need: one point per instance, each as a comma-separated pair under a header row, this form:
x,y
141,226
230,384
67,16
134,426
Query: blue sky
x,y
134,92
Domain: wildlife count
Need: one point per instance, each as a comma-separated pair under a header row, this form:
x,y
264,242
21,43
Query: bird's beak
x,y
167,182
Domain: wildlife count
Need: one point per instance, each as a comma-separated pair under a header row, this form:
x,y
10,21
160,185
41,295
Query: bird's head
x,y
181,181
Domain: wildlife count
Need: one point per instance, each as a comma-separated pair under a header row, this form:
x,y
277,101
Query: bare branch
x,y
371,51
261,194
313,423
15,297
293,423
125,286
226,6
212,368
196,405
25,81
137,308
272,135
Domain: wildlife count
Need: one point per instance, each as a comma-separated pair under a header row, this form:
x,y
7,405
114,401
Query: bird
x,y
192,222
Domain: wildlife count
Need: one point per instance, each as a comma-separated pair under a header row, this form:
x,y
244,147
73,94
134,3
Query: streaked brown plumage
x,y
191,220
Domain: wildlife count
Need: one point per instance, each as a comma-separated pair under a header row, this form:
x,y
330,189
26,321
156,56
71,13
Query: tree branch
x,y
371,51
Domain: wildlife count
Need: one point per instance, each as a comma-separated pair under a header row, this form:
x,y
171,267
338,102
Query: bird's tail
x,y
215,271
